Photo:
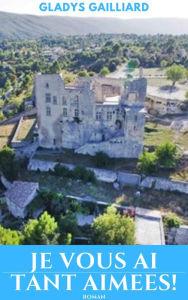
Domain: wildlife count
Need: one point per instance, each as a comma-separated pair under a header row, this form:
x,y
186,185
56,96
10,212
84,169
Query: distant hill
x,y
30,26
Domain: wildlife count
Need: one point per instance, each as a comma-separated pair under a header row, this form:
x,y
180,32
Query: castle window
x,y
109,115
76,100
47,85
64,101
48,98
64,112
48,111
118,124
135,118
55,100
98,116
76,113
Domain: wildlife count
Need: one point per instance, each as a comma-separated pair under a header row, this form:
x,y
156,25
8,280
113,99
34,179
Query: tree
x,y
175,73
9,237
186,95
2,103
2,117
104,71
172,220
113,229
167,154
163,64
26,81
55,67
42,231
8,163
102,159
83,73
133,63
68,223
116,49
147,162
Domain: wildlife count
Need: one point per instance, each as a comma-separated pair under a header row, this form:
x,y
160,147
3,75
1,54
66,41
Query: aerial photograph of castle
x,y
93,131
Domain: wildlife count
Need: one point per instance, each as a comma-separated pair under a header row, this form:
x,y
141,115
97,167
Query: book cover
x,y
93,149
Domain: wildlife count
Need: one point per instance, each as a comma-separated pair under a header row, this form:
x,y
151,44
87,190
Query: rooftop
x,y
181,237
149,227
21,192
166,92
112,100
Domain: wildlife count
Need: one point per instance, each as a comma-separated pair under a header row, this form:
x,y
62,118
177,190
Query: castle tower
x,y
133,103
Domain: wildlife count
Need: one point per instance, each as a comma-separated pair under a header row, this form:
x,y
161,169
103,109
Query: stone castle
x,y
96,114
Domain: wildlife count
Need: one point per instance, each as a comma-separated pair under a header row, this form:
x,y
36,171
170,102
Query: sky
x,y
158,8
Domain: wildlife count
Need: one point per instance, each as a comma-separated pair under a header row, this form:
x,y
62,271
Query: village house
x,y
19,195
165,102
96,114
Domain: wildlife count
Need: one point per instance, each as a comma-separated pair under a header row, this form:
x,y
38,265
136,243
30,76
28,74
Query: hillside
x,y
29,26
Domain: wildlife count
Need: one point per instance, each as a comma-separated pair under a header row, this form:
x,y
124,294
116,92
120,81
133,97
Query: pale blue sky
x,y
158,8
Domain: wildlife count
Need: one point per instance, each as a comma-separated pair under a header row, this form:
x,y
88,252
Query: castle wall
x,y
71,117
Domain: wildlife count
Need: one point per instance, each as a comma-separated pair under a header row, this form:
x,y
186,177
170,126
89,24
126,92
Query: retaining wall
x,y
121,177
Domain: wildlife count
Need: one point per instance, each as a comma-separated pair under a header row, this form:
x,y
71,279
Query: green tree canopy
x,y
2,117
9,237
55,67
147,162
83,73
113,229
104,71
172,220
8,164
133,63
175,73
41,232
163,63
167,154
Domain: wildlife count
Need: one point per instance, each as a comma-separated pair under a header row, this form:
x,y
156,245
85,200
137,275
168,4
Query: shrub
x,y
68,223
167,154
74,206
61,171
148,162
8,164
102,159
80,172
88,207
83,73
104,71
172,220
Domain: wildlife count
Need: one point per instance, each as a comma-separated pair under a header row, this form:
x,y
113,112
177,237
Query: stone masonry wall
x,y
121,177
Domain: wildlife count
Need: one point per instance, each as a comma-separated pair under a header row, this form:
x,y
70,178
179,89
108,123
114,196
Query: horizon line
x,y
93,17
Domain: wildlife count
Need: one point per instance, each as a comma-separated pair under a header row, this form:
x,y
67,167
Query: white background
x,y
158,8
